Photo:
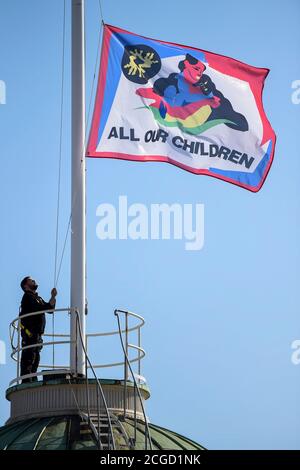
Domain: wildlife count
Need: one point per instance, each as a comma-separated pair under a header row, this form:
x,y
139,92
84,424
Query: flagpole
x,y
78,288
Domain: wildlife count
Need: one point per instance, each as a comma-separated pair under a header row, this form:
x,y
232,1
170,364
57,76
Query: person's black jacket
x,y
32,302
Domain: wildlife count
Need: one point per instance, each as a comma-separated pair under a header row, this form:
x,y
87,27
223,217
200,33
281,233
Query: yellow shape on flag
x,y
197,119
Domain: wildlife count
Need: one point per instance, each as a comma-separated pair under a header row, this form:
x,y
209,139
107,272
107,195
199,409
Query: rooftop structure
x,y
61,410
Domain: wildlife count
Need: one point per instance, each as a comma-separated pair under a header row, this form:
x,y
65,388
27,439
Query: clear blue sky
x,y
220,321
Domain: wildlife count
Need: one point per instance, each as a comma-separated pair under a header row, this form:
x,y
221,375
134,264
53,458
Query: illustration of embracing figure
x,y
190,100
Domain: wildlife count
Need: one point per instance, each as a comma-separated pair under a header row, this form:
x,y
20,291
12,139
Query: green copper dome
x,y
69,432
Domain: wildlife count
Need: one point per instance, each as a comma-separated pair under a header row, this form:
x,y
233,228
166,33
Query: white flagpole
x,y
78,295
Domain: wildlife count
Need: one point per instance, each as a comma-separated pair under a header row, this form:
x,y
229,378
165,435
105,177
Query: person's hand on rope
x,y
53,297
54,292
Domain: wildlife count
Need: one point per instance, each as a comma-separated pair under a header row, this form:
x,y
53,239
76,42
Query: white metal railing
x,y
126,331
61,338
15,328
99,389
137,392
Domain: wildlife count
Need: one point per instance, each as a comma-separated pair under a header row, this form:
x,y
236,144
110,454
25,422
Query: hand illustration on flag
x,y
203,112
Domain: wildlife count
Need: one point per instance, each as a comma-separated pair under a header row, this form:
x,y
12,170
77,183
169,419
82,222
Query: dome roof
x,y
69,432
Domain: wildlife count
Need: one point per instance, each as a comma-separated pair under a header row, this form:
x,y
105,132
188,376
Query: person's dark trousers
x,y
30,358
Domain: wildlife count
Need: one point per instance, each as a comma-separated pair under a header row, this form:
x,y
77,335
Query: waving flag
x,y
200,111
